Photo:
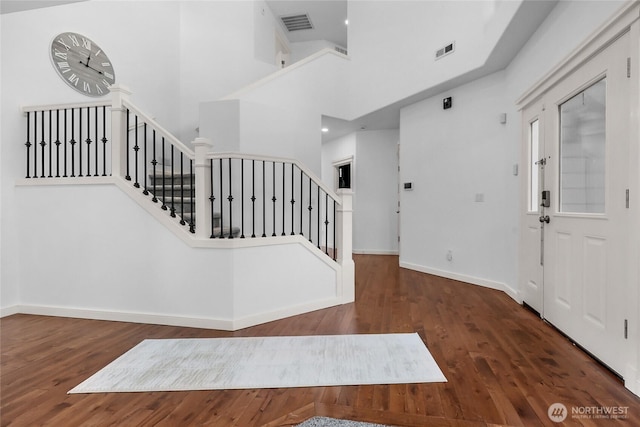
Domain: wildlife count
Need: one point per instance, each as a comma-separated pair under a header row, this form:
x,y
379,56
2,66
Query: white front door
x,y
574,261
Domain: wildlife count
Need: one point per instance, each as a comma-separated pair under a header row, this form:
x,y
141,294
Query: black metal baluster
x,y
57,143
318,216
301,200
104,141
88,141
35,144
50,145
66,122
283,198
182,221
230,198
42,143
192,223
221,206
293,200
95,127
335,244
242,198
28,143
154,162
326,223
146,190
80,142
273,199
73,143
264,206
310,209
212,199
128,176
136,148
173,195
164,179
253,198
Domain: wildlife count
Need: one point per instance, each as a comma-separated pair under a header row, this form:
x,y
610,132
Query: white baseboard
x,y
374,252
631,380
464,278
120,316
258,319
8,311
171,320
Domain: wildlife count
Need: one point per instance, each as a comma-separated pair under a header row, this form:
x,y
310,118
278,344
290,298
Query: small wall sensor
x,y
447,103
408,186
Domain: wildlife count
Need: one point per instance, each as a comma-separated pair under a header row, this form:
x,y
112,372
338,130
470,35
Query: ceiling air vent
x,y
297,22
446,50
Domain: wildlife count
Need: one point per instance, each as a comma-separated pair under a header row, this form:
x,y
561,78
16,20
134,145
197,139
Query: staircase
x,y
176,191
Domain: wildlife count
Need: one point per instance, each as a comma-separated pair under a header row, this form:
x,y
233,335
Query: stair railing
x,y
71,140
232,195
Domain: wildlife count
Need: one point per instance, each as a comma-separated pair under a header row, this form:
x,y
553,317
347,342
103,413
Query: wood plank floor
x,y
504,365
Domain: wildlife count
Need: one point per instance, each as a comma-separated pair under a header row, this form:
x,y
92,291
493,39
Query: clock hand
x,y
88,66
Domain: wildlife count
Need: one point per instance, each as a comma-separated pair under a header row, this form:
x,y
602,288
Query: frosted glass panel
x,y
534,146
582,151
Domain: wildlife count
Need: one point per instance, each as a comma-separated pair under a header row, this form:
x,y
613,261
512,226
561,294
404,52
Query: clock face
x,y
82,64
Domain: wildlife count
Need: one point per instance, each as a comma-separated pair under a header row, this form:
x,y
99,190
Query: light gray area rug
x,y
333,422
266,362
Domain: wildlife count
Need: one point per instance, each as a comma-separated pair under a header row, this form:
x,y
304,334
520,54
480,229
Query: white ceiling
x,y
10,6
327,17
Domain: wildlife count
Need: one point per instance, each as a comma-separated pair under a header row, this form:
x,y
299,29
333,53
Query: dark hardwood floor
x,y
503,364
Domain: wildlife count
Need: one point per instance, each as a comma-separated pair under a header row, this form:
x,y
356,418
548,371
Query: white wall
x,y
28,78
218,54
374,180
253,128
452,155
76,261
301,50
375,221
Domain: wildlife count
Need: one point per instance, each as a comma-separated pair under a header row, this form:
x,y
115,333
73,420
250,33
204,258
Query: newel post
x,y
119,129
202,147
344,223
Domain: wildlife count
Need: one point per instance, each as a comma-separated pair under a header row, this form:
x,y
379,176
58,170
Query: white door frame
x,y
627,19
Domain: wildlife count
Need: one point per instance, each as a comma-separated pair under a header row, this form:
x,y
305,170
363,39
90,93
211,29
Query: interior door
x,y
581,237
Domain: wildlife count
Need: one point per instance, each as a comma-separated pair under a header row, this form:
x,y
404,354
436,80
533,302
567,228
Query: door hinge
x,y
626,329
627,198
629,67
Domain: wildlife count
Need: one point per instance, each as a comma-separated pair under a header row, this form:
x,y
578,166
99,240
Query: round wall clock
x,y
82,64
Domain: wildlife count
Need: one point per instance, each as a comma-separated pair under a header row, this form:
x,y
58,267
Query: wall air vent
x,y
297,22
341,50
446,50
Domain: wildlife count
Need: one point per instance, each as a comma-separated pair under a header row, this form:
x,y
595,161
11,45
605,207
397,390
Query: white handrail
x,y
303,168
53,107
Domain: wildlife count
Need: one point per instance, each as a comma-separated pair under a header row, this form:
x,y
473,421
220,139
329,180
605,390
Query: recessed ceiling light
x,y
346,22
325,129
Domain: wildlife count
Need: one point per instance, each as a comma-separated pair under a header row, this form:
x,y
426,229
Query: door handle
x,y
544,218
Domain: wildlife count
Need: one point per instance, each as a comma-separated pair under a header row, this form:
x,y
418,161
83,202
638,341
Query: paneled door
x,y
574,259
